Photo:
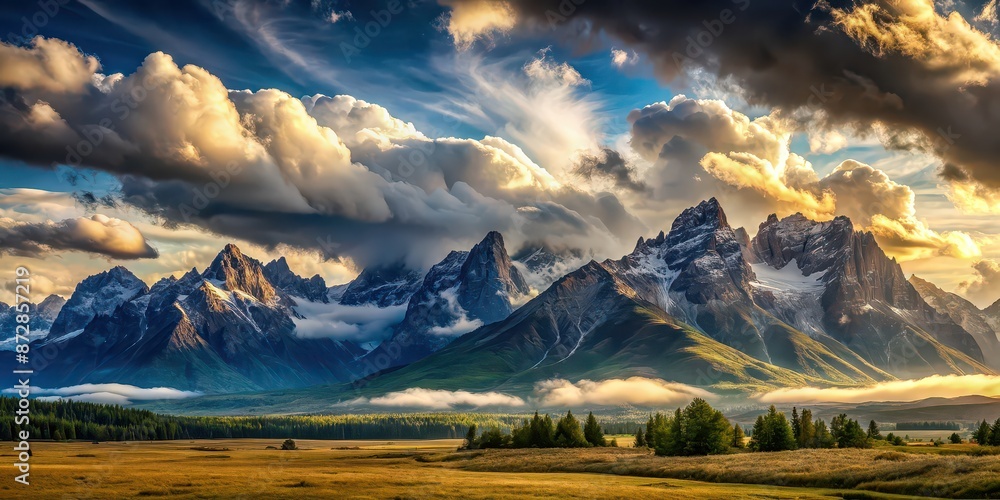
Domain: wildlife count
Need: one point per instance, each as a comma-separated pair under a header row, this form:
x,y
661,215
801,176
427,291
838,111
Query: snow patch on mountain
x,y
788,279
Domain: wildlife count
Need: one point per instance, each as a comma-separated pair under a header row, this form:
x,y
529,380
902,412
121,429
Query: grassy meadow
x,y
246,468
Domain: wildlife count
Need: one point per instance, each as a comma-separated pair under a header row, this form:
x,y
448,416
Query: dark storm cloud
x,y
610,164
929,79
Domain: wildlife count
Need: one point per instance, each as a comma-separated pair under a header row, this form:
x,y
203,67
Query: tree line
x,y
928,426
699,429
66,419
540,432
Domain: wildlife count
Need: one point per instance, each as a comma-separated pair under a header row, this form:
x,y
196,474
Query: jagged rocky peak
x,y
49,307
705,249
383,285
281,276
489,280
696,230
235,271
708,214
742,237
697,225
815,246
98,295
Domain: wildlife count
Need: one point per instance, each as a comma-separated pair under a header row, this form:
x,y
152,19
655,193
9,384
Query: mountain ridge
x,y
801,302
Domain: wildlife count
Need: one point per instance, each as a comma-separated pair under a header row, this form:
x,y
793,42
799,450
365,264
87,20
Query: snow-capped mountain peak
x,y
98,295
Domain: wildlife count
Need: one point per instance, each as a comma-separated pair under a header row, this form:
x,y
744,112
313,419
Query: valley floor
x,y
432,469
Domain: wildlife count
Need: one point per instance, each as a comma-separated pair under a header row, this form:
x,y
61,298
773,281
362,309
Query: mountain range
x,y
799,303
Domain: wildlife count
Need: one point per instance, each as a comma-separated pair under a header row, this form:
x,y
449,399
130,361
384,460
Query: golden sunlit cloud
x,y
935,386
97,234
632,390
973,198
470,21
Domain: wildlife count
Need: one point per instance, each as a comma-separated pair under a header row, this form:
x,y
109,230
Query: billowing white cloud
x,y
621,58
433,399
334,175
50,64
364,323
633,390
935,386
109,393
984,287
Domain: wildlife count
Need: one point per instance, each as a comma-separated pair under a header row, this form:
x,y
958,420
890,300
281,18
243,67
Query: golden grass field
x,y
432,469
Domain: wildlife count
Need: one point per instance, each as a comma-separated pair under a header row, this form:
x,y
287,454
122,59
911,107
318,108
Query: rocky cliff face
x,y
313,289
698,274
488,281
966,314
866,302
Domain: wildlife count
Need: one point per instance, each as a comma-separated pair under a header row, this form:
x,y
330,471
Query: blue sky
x,y
403,68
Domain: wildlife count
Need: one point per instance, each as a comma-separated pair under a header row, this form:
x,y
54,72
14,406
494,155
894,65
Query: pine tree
x,y
796,424
955,438
494,438
705,430
848,433
994,439
666,434
738,436
470,438
759,434
592,431
873,431
807,433
772,432
824,439
540,432
649,430
982,434
640,439
568,432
